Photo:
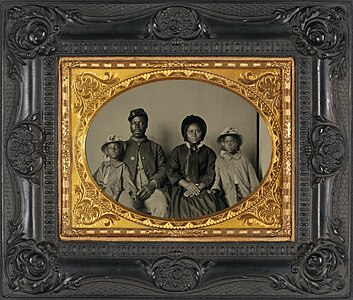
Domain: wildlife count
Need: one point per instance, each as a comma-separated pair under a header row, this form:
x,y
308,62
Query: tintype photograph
x,y
157,150
169,108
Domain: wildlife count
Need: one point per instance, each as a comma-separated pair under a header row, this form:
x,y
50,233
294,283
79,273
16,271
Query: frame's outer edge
x,y
33,266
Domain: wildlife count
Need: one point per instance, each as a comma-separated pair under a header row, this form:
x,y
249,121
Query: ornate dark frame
x,y
35,263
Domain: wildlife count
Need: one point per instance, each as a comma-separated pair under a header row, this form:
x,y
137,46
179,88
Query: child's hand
x,y
214,191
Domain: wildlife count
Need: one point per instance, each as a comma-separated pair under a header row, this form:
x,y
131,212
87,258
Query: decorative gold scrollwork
x,y
86,88
88,212
175,64
267,84
267,213
88,85
176,233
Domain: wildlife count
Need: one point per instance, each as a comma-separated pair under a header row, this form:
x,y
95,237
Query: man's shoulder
x,y
153,144
131,141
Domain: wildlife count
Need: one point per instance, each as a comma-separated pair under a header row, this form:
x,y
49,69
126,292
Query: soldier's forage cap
x,y
137,112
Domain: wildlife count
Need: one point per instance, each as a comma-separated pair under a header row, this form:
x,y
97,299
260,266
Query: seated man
x,y
146,162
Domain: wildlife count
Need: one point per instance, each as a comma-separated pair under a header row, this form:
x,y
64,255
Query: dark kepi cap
x,y
137,112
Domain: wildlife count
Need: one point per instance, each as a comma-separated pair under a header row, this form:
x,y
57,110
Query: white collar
x,y
198,146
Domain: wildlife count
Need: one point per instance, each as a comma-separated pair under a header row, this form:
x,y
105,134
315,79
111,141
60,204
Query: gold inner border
x,y
87,83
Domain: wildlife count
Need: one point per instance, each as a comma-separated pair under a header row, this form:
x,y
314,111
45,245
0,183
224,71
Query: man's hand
x,y
146,191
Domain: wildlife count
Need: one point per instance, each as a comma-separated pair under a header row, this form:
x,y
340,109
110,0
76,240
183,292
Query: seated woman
x,y
113,176
190,170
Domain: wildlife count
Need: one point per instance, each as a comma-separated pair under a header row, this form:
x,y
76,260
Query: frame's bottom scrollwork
x,y
32,267
175,273
319,268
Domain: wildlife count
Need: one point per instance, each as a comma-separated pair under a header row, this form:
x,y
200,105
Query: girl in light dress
x,y
235,175
113,176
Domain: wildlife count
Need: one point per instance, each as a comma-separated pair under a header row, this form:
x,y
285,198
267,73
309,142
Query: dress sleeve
x,y
209,176
217,185
160,176
173,168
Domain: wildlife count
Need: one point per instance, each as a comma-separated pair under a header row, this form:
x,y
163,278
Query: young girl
x,y
190,170
113,175
235,176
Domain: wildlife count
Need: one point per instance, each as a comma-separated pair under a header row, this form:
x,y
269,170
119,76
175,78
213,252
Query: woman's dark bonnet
x,y
193,120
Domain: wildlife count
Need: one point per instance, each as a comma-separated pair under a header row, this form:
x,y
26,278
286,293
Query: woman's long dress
x,y
197,166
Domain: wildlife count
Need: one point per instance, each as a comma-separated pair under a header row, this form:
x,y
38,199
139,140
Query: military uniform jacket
x,y
152,157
